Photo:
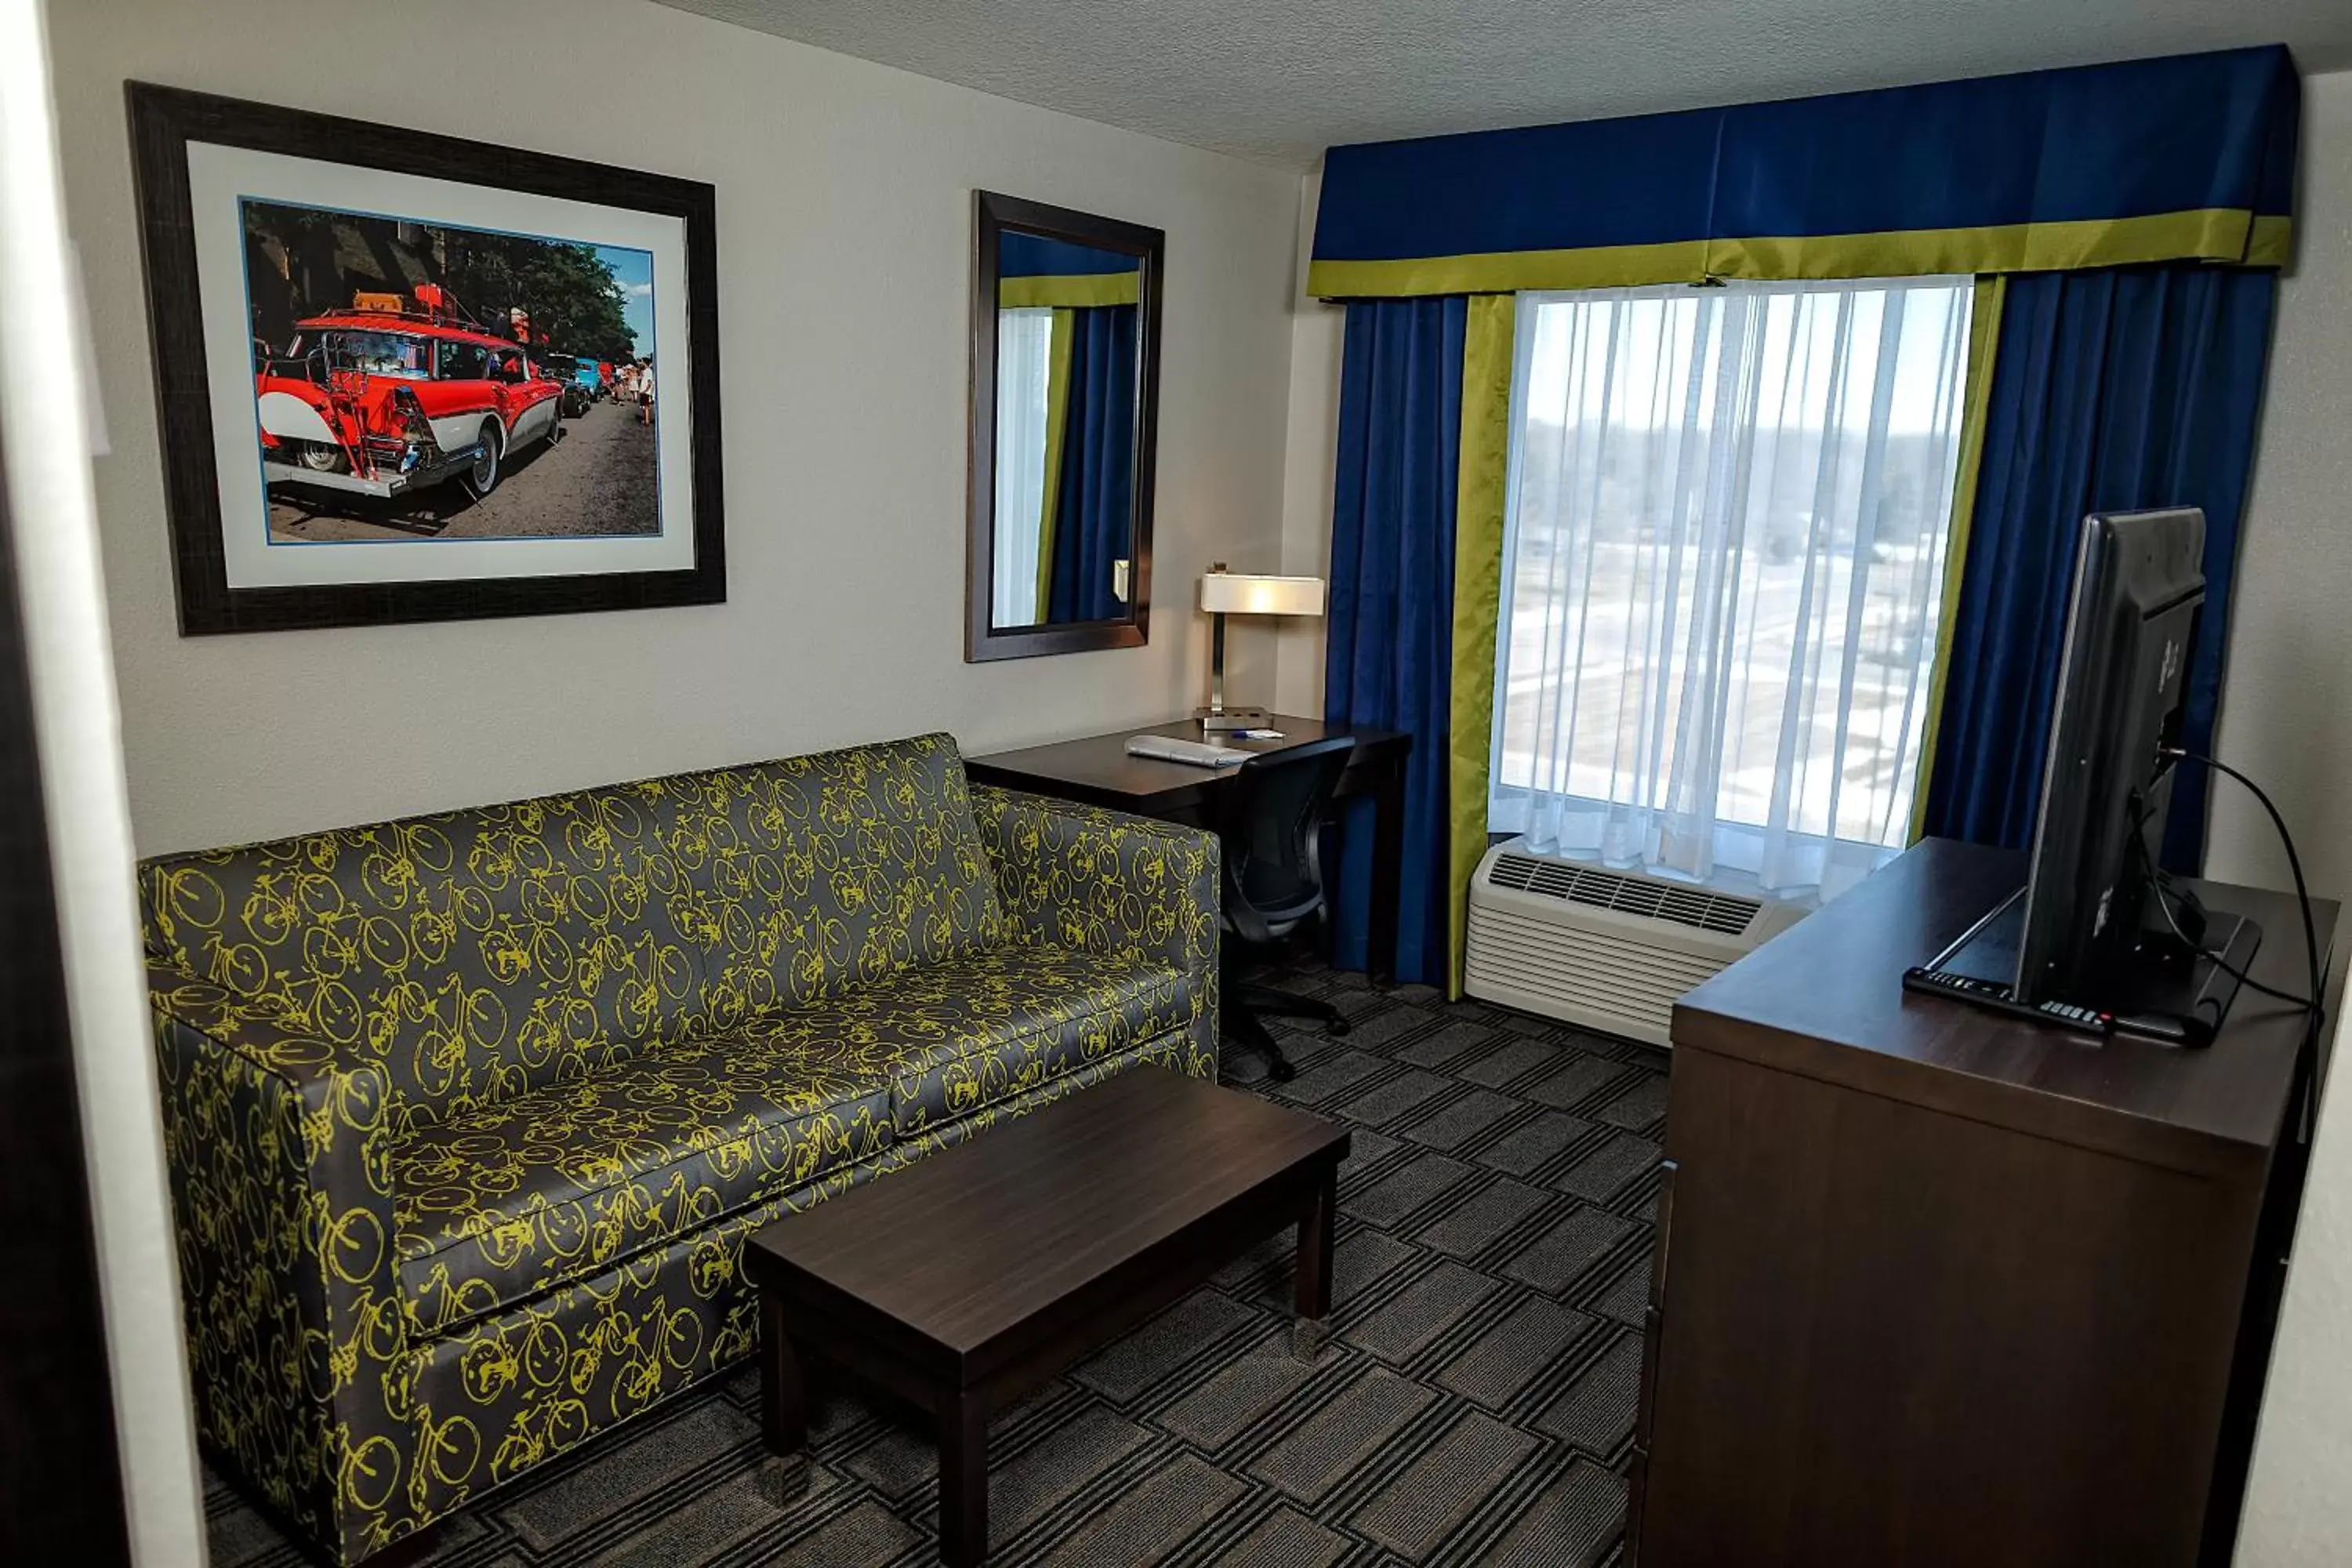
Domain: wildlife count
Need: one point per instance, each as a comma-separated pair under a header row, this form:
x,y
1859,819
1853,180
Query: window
x,y
377,353
462,361
1723,571
1024,359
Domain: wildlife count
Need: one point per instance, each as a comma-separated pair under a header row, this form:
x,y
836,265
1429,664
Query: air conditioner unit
x,y
1606,950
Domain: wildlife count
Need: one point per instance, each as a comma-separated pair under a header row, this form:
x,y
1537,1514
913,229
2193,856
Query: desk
x,y
1098,771
1940,1287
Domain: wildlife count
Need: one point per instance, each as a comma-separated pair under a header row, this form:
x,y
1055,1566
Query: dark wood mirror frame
x,y
994,215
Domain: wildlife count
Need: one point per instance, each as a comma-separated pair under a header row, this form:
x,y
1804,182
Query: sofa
x,y
469,1115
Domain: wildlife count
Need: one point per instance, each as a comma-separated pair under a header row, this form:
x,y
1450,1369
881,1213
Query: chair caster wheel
x,y
1281,1071
1340,1027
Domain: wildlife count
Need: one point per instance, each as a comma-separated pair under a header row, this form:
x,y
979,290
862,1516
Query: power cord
x,y
2165,894
2219,961
2303,896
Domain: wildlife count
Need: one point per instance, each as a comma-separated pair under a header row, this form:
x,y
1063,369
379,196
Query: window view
x,y
1024,356
1723,571
462,361
378,353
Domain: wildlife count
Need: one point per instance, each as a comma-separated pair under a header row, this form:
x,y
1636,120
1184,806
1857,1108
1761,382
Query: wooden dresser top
x,y
1825,999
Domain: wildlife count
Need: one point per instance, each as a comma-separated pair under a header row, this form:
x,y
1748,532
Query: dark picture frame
x,y
993,215
163,122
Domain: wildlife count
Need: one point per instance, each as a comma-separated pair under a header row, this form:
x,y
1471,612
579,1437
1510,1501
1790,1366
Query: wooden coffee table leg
x,y
1314,1283
784,1397
964,1478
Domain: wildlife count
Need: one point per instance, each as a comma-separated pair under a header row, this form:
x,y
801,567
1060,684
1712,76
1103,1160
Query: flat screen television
x,y
2099,938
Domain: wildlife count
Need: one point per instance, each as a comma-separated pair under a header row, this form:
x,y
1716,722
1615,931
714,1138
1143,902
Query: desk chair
x,y
1274,882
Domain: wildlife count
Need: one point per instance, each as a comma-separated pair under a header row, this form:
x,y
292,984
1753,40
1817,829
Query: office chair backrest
x,y
1274,872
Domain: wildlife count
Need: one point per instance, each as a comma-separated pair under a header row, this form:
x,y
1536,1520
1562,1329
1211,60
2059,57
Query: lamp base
x,y
1232,719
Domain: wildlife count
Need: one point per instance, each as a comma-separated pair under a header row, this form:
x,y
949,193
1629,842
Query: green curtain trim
x,y
2228,235
1057,419
2272,242
2209,234
1481,493
1507,271
1984,340
1081,290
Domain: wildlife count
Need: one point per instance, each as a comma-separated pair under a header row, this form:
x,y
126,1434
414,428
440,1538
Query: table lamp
x,y
1224,594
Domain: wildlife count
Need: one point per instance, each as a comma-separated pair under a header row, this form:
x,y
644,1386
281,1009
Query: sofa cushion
x,y
965,1034
502,1202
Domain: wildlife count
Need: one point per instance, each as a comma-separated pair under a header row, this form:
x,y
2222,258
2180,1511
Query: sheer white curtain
x,y
1025,361
1723,571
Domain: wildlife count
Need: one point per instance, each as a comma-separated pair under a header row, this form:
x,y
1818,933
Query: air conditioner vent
x,y
1573,883
1605,950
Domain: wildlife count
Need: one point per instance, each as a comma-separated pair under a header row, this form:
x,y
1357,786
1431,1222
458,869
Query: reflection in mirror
x,y
1065,374
1064,342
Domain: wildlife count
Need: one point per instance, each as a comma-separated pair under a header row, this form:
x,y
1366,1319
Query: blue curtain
x,y
1094,522
1388,660
2115,389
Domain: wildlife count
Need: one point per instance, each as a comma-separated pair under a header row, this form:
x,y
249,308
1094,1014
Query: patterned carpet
x,y
1474,1404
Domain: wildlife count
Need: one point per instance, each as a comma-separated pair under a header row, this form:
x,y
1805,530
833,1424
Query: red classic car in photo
x,y
381,403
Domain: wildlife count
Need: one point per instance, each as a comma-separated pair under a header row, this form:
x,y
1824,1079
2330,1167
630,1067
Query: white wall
x,y
2287,719
2298,1508
845,219
1317,336
54,540
2286,703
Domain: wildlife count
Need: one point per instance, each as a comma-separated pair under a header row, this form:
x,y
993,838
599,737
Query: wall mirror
x,y
1065,394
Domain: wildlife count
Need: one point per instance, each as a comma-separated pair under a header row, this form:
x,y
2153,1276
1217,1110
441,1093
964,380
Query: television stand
x,y
1939,1286
2158,990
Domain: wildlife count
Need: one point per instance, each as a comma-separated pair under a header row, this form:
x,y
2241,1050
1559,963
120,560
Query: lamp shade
x,y
1247,594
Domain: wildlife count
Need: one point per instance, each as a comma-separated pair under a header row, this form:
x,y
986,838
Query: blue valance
x,y
2185,158
1020,255
1034,272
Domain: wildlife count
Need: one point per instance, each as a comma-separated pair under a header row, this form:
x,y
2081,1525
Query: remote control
x,y
1992,993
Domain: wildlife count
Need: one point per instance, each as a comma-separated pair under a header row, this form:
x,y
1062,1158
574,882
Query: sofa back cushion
x,y
478,954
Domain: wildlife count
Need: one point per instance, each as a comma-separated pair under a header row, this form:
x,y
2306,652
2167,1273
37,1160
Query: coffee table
x,y
976,1274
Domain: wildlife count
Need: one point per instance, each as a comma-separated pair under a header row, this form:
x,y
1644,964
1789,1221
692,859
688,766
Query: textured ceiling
x,y
1279,81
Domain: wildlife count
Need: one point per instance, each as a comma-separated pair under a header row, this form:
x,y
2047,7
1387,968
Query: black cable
x,y
2294,863
2251,984
2156,885
2218,961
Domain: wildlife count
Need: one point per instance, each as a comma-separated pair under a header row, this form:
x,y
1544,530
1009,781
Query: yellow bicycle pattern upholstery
x,y
469,1115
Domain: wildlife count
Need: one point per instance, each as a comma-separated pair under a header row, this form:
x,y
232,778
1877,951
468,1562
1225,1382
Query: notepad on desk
x,y
1192,753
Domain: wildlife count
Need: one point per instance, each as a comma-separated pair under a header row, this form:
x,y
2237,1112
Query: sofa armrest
x,y
280,1155
1080,876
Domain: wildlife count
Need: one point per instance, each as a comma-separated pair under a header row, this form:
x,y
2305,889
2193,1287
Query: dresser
x,y
1937,1287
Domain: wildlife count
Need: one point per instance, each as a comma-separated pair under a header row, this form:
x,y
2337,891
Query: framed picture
x,y
406,377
